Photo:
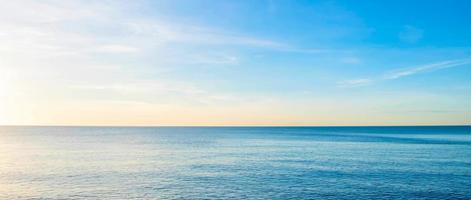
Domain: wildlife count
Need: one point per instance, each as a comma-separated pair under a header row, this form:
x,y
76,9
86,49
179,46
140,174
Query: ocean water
x,y
235,162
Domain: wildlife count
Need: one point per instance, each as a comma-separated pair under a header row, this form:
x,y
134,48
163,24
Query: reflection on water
x,y
263,163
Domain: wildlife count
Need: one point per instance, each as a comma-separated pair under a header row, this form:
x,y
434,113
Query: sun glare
x,y
6,88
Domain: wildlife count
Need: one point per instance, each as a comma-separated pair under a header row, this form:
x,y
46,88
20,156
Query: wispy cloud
x,y
153,91
82,31
396,74
355,82
172,32
426,68
215,59
115,48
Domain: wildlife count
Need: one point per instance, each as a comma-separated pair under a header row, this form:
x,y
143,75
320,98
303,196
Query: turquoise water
x,y
235,163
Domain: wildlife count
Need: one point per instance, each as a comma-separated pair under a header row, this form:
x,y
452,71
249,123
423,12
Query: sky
x,y
235,62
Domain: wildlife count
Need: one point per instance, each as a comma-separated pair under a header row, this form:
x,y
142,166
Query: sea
x,y
400,162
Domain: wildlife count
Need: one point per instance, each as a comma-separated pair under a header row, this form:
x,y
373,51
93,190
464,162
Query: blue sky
x,y
235,62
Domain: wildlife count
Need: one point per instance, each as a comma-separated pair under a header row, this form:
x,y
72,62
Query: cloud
x,y
355,82
214,59
168,32
143,87
172,32
426,68
410,34
117,48
152,92
396,74
76,31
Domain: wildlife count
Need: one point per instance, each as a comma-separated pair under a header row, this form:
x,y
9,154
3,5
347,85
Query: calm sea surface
x,y
235,163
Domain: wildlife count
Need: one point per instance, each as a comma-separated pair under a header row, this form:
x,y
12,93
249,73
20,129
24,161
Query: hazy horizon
x,y
235,63
227,125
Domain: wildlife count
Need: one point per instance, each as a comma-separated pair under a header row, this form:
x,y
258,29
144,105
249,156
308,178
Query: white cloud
x,y
426,68
66,40
213,59
396,74
355,82
117,48
172,32
151,92
76,31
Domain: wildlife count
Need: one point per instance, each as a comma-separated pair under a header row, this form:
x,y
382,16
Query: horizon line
x,y
235,126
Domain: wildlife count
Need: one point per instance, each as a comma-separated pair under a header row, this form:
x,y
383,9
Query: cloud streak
x,y
355,82
426,68
397,74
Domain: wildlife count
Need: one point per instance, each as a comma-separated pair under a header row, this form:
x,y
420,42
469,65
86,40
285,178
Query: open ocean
x,y
431,162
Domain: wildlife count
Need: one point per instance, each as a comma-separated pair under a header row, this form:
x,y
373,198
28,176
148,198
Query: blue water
x,y
235,163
